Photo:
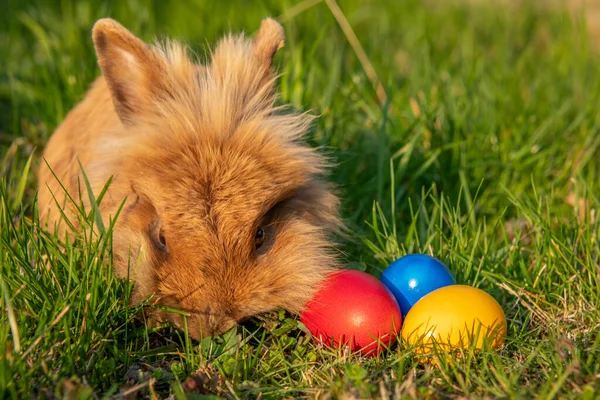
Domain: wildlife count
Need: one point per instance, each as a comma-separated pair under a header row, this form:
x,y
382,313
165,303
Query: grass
x,y
486,155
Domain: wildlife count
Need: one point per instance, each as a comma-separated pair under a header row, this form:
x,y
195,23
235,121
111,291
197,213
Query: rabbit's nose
x,y
201,326
218,325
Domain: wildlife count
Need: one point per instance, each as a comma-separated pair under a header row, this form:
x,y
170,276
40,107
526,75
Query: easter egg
x,y
354,309
413,276
455,316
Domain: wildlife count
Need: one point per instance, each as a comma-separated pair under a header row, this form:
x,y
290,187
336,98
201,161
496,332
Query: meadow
x,y
467,131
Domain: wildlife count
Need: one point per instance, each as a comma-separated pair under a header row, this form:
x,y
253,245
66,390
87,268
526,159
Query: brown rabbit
x,y
226,213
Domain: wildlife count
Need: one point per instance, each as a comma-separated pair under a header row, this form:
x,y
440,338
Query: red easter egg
x,y
354,309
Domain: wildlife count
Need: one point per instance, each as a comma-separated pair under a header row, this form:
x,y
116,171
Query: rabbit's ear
x,y
269,39
133,71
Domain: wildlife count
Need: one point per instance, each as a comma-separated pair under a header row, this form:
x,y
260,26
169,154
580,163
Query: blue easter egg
x,y
413,276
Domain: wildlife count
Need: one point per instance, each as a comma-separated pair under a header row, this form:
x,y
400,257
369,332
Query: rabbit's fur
x,y
202,158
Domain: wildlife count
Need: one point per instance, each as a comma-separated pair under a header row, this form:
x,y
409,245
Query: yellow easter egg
x,y
455,317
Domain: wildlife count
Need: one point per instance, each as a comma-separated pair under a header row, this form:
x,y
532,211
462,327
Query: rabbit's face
x,y
227,215
228,230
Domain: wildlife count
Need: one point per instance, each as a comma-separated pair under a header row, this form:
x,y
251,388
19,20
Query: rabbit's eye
x,y
259,238
159,239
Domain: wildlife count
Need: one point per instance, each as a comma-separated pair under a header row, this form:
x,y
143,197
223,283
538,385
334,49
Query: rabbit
x,y
222,210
